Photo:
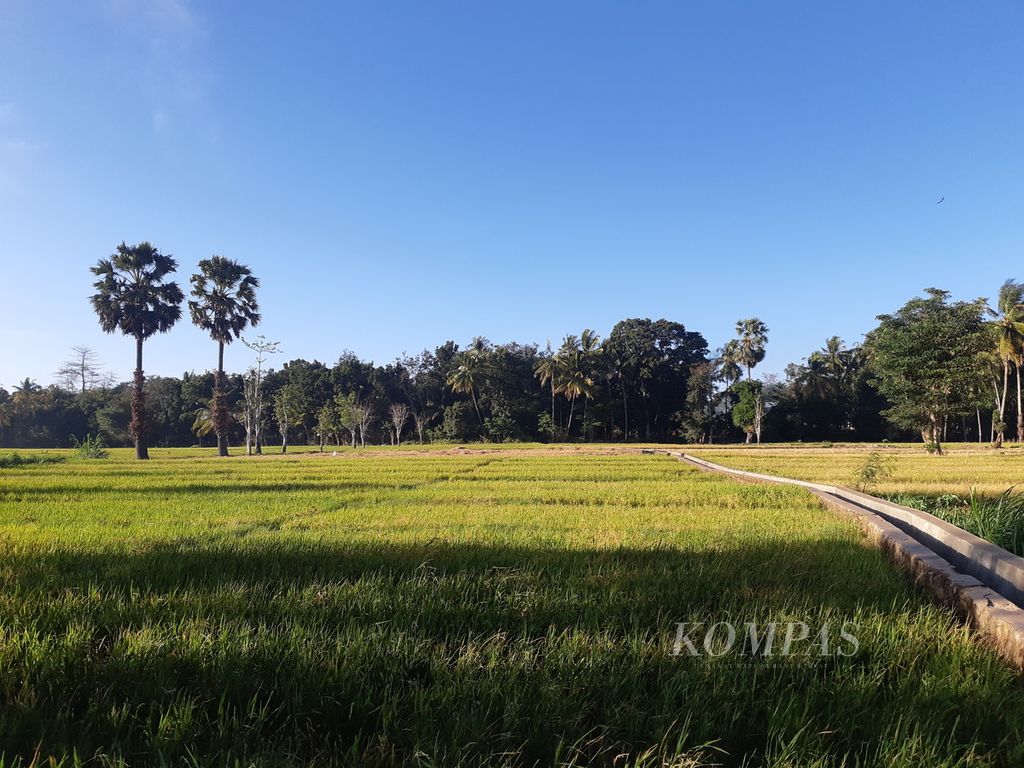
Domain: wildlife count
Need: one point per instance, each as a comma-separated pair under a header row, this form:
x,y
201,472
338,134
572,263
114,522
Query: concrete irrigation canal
x,y
982,581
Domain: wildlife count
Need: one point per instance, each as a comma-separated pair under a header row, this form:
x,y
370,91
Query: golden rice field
x,y
501,607
911,470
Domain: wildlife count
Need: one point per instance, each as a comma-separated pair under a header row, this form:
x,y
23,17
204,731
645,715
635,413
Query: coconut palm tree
x,y
549,371
203,424
463,379
753,336
590,343
1009,328
815,379
133,296
26,387
224,306
593,351
730,362
835,359
576,383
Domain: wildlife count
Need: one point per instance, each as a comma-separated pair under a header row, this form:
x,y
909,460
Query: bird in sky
x,y
940,199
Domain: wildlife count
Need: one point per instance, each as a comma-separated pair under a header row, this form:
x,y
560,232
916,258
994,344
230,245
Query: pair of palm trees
x,y
134,296
567,372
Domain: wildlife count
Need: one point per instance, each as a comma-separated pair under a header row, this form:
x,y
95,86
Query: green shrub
x,y
90,447
15,459
875,468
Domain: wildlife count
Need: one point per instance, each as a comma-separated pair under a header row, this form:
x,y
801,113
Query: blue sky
x,y
402,173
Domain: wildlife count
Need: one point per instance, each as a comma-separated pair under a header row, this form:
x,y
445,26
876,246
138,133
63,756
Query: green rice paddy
x,y
447,608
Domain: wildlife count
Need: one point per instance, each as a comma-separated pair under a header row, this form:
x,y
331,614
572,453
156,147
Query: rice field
x,y
910,470
459,608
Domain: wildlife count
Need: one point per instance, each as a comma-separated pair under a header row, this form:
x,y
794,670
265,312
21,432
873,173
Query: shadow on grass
x,y
274,651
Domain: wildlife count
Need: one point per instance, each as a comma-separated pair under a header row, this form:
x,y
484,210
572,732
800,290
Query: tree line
x,y
936,368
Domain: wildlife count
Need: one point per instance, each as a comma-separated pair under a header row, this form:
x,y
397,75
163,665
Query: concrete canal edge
x,y
981,581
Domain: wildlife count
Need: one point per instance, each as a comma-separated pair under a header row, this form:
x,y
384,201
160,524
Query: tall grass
x,y
999,519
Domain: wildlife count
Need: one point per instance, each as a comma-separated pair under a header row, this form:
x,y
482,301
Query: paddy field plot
x,y
910,469
507,608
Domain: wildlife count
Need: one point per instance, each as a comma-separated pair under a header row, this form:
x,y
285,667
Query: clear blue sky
x,y
402,173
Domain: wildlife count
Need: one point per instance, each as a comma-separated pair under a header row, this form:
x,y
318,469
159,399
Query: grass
x,y
427,608
971,487
999,519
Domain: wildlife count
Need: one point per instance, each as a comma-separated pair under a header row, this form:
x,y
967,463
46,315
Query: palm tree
x,y
593,350
549,370
730,361
224,306
835,359
1009,325
815,379
133,297
26,387
590,343
478,345
463,379
203,424
576,383
753,335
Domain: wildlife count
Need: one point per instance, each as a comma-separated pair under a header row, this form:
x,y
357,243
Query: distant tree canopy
x,y
929,359
650,363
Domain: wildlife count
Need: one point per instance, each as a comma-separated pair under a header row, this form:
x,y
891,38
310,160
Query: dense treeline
x,y
936,368
638,384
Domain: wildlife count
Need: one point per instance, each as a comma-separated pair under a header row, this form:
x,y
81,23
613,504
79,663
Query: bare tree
x,y
287,412
421,420
362,415
253,391
758,416
81,371
348,416
399,413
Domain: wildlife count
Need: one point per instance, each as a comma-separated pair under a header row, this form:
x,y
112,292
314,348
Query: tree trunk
x,y
978,412
936,434
554,424
647,416
284,439
472,393
568,426
625,415
1020,411
1001,432
137,426
609,428
220,407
